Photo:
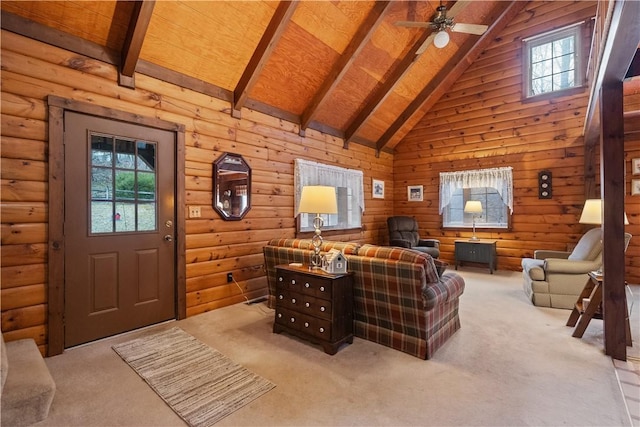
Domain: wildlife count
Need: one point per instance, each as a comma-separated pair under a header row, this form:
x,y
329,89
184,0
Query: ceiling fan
x,y
441,24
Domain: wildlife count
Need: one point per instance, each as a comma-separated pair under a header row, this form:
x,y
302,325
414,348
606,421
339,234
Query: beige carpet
x,y
510,364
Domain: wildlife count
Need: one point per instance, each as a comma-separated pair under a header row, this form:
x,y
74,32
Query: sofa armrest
x,y
544,254
430,243
401,243
447,289
555,265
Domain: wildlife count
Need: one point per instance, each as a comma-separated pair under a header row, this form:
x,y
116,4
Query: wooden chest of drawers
x,y
314,305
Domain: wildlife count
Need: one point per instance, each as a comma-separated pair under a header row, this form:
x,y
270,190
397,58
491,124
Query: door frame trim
x,y
56,250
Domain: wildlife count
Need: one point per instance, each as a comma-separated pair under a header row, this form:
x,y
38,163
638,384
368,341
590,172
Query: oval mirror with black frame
x,y
231,186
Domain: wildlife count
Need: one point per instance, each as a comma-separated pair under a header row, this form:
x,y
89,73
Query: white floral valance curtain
x,y
312,173
499,178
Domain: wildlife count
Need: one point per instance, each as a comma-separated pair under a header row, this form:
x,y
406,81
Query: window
x,y
492,187
123,184
553,61
349,191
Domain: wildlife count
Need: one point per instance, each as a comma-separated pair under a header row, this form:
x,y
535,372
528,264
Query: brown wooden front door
x,y
119,221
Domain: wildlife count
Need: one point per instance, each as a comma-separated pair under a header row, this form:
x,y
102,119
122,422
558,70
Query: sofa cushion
x,y
534,268
402,254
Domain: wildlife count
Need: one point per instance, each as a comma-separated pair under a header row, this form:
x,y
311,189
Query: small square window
x,y
552,61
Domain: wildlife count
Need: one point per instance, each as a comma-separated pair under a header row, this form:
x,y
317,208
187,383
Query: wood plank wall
x,y
31,71
483,122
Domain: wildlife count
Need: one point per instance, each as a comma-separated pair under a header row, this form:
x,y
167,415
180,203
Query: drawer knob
x,y
280,296
293,281
293,320
322,308
306,285
293,300
321,329
321,288
306,304
306,324
280,279
279,315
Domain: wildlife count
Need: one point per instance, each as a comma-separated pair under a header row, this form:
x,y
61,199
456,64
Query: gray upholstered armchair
x,y
403,232
556,279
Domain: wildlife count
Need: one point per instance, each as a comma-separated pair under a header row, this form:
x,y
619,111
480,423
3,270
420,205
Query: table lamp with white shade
x,y
317,199
474,207
592,214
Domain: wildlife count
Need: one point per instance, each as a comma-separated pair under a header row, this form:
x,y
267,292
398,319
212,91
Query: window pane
x,y
540,53
146,156
563,80
146,186
125,154
125,216
101,184
101,217
146,216
125,185
101,150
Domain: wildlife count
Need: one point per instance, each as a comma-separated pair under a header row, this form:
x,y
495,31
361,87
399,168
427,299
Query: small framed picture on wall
x,y
635,187
635,166
414,193
378,189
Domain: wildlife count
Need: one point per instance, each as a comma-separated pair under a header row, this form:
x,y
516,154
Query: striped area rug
x,y
200,384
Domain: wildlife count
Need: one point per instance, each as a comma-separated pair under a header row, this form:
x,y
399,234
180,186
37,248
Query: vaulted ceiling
x,y
342,67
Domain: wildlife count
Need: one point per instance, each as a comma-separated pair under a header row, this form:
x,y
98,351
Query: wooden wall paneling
x,y
24,318
482,122
32,71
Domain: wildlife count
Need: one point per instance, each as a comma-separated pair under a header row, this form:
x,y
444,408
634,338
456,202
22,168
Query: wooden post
x,y
613,189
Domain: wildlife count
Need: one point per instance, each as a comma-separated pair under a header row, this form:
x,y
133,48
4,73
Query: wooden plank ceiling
x,y
341,67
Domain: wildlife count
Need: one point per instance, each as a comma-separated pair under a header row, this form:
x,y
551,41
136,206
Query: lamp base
x,y
474,238
316,241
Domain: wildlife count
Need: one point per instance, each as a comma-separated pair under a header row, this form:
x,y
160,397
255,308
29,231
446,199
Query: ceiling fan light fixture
x,y
441,39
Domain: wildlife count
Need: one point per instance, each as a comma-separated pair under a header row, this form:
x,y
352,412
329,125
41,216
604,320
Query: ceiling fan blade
x,y
478,29
413,24
426,44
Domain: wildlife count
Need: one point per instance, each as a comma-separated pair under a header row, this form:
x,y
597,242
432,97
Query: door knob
x,y
168,238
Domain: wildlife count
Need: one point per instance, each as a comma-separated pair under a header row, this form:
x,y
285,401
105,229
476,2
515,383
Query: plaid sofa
x,y
400,300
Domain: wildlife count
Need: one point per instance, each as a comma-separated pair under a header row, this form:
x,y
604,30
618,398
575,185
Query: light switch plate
x,y
194,212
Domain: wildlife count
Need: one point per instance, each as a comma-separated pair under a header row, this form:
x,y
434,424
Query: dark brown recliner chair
x,y
403,232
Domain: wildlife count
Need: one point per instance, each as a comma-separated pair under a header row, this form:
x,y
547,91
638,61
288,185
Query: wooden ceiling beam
x,y
396,75
33,30
339,70
140,18
261,55
385,90
467,53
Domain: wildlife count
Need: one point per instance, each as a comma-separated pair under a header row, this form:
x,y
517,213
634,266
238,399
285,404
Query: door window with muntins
x,y
123,185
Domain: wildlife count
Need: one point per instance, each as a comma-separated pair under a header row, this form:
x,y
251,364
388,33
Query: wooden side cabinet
x,y
477,251
314,305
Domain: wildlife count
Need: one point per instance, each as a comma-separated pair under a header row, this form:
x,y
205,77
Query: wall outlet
x,y
229,277
194,212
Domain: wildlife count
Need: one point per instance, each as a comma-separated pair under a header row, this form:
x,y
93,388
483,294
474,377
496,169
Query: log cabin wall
x,y
32,70
483,122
